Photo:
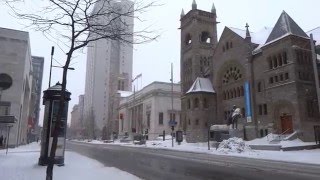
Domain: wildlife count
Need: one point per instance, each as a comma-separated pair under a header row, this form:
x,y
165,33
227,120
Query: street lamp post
x,y
52,53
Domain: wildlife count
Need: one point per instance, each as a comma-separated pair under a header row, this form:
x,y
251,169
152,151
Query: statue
x,y
234,116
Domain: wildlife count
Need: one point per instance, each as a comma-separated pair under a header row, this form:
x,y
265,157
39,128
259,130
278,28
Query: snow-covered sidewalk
x,y
21,164
302,156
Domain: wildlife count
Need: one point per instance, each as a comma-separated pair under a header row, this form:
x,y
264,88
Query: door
x,y
286,124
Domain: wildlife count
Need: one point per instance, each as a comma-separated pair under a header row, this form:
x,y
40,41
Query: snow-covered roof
x,y
259,37
201,85
316,34
125,93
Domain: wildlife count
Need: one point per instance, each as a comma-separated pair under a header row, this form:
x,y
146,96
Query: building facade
x,y
109,69
16,61
198,41
150,110
33,121
268,74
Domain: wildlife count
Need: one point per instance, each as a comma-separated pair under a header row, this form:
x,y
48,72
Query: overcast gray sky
x,y
153,59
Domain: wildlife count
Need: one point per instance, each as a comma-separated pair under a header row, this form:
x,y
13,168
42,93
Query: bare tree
x,y
79,22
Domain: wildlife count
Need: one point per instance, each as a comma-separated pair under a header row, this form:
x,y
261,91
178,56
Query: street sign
x,y
172,123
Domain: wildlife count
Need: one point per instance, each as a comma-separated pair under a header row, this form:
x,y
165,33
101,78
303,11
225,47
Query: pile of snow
x,y
233,145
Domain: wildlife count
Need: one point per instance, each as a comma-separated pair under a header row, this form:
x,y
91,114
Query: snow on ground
x,y
21,164
302,156
288,143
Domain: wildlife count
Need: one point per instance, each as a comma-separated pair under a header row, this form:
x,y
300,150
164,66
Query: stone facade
x,y
275,62
15,60
198,40
150,110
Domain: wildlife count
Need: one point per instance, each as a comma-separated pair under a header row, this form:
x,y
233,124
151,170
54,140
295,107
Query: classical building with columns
x,y
268,74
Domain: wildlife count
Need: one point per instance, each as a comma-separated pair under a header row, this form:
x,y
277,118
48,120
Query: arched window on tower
x,y
205,37
224,95
196,103
188,39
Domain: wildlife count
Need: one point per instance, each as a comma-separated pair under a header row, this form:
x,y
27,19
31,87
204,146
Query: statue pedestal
x,y
235,133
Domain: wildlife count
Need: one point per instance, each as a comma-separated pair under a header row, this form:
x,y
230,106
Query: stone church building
x,y
268,74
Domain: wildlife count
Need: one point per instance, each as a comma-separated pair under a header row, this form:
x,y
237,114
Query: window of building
x,y
275,62
270,63
271,80
197,121
276,79
223,49
205,103
196,103
188,39
259,87
238,92
260,109
189,104
224,95
205,37
173,116
285,60
265,109
241,91
189,122
161,118
280,60
122,86
231,45
281,77
286,76
119,85
227,45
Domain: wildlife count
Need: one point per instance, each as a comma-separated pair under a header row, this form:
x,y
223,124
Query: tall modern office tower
x,y
109,69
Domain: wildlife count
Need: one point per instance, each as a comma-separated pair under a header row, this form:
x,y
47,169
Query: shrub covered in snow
x,y
233,145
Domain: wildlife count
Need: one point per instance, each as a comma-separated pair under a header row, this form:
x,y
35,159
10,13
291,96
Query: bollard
x,y
164,135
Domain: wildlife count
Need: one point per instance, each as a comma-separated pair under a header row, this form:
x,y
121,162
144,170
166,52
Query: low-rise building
x,y
150,110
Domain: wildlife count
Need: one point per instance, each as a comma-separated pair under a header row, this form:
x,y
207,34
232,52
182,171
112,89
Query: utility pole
x,y
315,69
172,126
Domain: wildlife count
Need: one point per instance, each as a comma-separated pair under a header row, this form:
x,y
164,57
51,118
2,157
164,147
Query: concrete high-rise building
x,y
37,66
109,69
16,62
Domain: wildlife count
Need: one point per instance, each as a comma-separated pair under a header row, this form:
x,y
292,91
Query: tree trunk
x,y
49,172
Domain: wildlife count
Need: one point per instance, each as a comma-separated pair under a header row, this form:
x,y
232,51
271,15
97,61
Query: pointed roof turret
x,y
213,9
194,4
201,85
182,13
285,26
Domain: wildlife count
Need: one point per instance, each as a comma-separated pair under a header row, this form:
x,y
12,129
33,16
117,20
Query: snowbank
x,y
21,164
233,145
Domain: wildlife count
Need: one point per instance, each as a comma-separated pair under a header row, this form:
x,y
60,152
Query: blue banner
x,y
247,100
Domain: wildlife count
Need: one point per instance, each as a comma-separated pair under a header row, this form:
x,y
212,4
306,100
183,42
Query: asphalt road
x,y
157,164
